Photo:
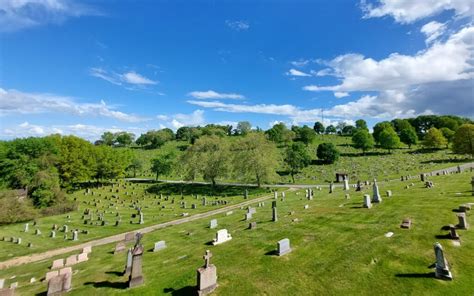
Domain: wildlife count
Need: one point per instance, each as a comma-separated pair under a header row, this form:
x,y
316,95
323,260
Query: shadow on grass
x,y
42,294
117,273
272,253
202,189
416,275
361,154
108,284
443,236
185,291
357,207
449,160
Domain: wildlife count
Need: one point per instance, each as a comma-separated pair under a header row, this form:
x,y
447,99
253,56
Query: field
x,y
338,248
377,163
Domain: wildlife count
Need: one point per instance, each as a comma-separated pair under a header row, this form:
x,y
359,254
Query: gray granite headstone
x,y
207,276
213,224
441,266
283,247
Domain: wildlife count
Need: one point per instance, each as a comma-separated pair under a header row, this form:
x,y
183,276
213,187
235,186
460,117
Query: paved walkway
x,y
118,237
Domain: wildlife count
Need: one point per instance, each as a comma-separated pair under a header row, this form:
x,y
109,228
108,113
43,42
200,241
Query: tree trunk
x,y
293,177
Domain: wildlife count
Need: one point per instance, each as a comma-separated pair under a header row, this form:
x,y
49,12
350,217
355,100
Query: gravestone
x,y
248,216
129,236
58,263
222,236
141,218
275,195
27,226
37,231
462,224
87,249
274,214
159,246
2,283
367,203
306,207
75,235
136,276
67,278
128,262
120,247
55,285
213,224
71,260
207,276
359,186
406,223
82,257
331,187
376,194
441,265
7,291
252,225
452,232
52,234
51,274
346,184
389,193
283,247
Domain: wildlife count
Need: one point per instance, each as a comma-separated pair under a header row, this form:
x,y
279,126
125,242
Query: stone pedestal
x,y
136,276
206,279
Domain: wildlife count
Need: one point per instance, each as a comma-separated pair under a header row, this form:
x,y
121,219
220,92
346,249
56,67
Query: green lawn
x,y
339,248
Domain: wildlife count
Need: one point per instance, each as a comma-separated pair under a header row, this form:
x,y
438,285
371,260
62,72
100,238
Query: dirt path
x,y
118,237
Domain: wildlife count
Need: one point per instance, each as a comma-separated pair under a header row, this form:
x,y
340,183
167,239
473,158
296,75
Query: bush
x,y
327,152
15,210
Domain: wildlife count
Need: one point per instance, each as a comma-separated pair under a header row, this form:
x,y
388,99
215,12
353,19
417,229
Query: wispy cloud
x,y
17,102
297,73
210,94
433,30
130,77
176,121
21,14
238,25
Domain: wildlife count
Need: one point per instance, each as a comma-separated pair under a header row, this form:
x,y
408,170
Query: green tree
x,y
434,139
111,163
378,128
124,138
348,130
318,127
76,162
243,128
401,124
363,140
330,129
163,164
108,138
306,135
327,152
279,133
448,134
296,158
408,136
135,165
389,139
361,124
255,159
463,142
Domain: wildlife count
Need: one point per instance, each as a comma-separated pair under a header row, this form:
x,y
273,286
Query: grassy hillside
x,y
339,248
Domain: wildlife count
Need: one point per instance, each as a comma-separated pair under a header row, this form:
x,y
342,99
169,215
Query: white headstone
x,y
367,203
283,247
159,246
221,237
213,224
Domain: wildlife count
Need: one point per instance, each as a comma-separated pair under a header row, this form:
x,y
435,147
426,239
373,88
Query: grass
x,y
339,248
146,195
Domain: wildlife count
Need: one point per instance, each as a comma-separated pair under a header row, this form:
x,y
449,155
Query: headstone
x,y
359,186
18,241
207,276
462,221
306,207
128,262
422,177
55,285
27,226
367,203
248,216
75,235
222,236
441,265
71,260
82,257
37,231
87,249
453,233
136,276
52,234
51,274
252,225
141,218
376,194
120,247
58,263
406,223
331,187
129,236
274,214
346,184
65,228
213,224
389,193
159,246
2,283
283,247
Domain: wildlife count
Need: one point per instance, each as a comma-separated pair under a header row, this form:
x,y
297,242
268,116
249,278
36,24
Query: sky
x,y
86,67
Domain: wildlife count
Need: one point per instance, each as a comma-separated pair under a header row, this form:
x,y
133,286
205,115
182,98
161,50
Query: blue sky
x,y
85,67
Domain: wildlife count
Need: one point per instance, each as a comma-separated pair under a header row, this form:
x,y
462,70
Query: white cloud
x,y
21,14
300,63
131,77
17,102
89,132
448,61
339,94
210,94
176,121
238,25
433,30
408,11
294,72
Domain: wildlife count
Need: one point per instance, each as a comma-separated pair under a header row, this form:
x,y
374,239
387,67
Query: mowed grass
x,y
147,196
339,248
376,163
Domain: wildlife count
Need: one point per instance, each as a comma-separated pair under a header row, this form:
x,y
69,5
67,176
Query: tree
x,y
363,140
434,139
408,136
378,128
108,138
463,141
163,164
361,124
401,124
183,133
110,163
296,158
318,127
330,129
255,159
124,138
340,127
243,128
306,135
134,166
76,161
389,139
327,152
348,130
279,133
448,134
